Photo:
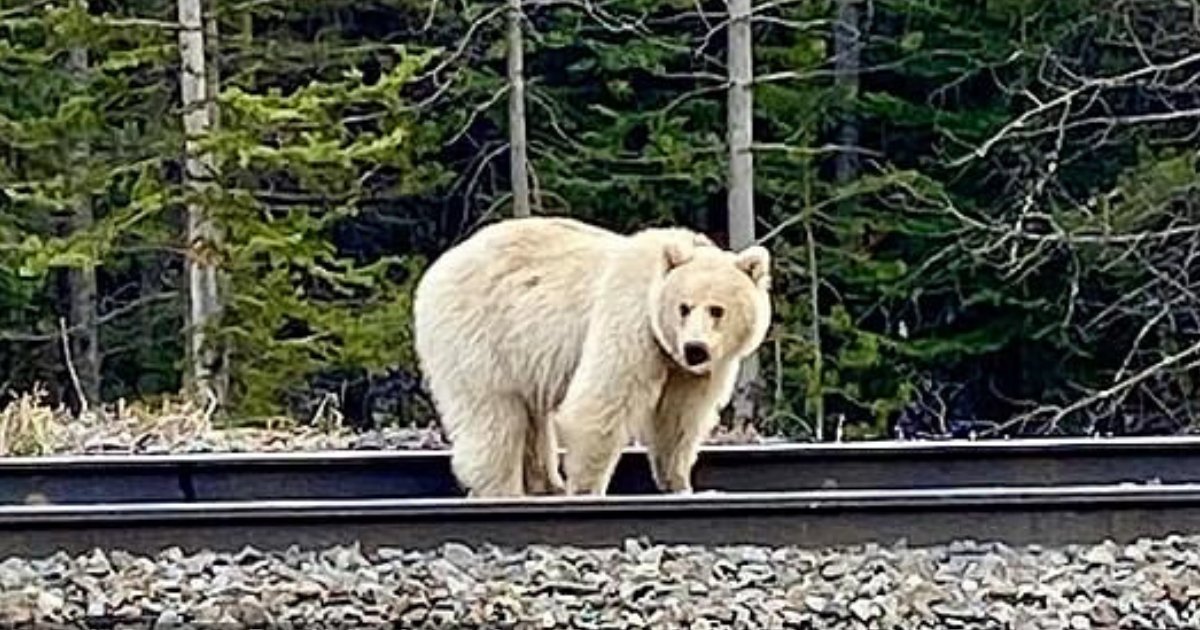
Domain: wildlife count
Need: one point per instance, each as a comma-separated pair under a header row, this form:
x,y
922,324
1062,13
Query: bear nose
x,y
695,353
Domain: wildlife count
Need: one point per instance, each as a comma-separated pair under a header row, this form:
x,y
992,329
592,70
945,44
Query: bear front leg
x,y
672,465
592,456
686,414
615,388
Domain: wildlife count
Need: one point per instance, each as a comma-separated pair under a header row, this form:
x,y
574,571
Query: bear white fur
x,y
542,328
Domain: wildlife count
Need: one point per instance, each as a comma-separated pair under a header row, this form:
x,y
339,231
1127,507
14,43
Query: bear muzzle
x,y
696,355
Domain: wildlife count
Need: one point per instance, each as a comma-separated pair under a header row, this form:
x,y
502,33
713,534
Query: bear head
x,y
712,305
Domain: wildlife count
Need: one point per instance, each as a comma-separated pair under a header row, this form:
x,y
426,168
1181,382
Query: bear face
x,y
713,306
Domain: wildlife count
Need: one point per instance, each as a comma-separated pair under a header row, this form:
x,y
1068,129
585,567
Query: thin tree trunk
x,y
81,283
846,62
740,127
206,367
212,62
518,147
847,51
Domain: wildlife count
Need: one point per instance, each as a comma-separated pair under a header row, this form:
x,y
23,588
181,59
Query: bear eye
x,y
717,312
684,310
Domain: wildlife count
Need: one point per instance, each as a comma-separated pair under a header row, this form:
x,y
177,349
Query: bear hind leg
x,y
488,447
542,475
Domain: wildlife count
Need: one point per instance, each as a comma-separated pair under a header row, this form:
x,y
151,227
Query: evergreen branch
x,y
16,337
25,9
1069,96
1058,413
139,23
477,110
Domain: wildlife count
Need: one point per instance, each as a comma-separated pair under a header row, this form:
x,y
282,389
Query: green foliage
x,y
69,136
625,131
301,149
299,155
355,141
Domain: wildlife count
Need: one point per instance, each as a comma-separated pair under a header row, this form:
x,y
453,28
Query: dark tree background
x,y
984,215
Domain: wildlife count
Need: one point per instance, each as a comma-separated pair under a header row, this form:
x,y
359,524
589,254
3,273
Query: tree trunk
x,y
84,331
206,365
81,283
518,147
847,51
740,127
212,61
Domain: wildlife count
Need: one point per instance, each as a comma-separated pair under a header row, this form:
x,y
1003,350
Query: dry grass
x,y
28,426
735,433
31,426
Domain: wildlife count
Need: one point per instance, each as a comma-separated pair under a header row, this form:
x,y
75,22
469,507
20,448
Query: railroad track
x,y
1043,491
1043,515
772,468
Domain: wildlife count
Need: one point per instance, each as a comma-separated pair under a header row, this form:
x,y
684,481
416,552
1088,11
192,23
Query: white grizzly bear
x,y
543,328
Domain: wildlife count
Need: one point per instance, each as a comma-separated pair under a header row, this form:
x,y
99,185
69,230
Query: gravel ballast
x,y
253,440
1148,584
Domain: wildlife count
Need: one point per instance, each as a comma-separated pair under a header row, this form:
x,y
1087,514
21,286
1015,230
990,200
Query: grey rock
x,y
816,604
1134,553
251,612
459,554
49,603
1153,583
1101,555
97,563
168,619
834,569
864,609
651,557
97,605
755,555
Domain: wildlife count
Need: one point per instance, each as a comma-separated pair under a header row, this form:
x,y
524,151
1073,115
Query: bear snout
x,y
695,354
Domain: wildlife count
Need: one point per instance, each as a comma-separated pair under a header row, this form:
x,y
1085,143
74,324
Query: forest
x,y
984,215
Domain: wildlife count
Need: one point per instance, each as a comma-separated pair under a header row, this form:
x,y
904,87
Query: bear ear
x,y
755,261
675,255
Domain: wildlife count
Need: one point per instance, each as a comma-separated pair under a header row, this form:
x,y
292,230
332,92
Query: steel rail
x,y
1022,515
426,474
